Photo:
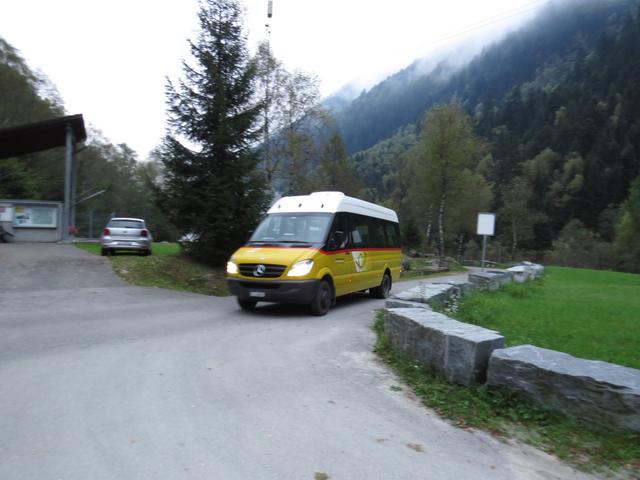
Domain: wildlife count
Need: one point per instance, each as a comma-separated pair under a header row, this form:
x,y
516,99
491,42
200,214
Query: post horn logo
x,y
259,271
359,259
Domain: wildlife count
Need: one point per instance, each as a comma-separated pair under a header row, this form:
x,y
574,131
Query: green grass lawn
x,y
165,268
158,248
587,313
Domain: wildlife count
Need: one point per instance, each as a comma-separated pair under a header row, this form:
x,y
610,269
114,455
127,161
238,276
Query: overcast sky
x,y
109,58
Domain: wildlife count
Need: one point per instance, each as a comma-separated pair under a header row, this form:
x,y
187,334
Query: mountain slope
x,y
557,103
548,41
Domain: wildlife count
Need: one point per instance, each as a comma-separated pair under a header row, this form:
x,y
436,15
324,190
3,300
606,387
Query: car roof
x,y
126,218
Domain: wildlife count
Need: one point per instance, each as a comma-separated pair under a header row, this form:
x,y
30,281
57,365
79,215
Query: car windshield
x,y
292,228
125,224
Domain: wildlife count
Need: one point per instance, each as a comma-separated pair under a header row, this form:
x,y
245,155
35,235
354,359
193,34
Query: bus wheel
x,y
246,304
384,289
323,300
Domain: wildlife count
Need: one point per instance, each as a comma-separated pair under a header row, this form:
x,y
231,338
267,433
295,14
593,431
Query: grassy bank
x,y
166,268
587,313
504,413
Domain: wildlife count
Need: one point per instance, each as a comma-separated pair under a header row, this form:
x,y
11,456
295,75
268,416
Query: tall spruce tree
x,y
212,187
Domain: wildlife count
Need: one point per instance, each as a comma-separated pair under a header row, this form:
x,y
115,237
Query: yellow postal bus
x,y
311,249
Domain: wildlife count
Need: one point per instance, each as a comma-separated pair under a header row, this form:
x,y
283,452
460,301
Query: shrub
x,y
577,246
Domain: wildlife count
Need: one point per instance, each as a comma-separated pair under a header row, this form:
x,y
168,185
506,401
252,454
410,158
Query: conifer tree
x,y
335,172
212,187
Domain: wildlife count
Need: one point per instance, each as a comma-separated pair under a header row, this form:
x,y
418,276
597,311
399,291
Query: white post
x,y
484,251
486,226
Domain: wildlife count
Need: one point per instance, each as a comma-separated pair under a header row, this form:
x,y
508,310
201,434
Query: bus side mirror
x,y
336,239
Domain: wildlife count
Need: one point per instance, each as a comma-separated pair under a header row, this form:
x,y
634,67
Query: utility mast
x,y
269,15
267,95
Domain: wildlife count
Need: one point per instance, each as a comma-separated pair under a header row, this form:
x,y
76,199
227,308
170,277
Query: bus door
x,y
341,260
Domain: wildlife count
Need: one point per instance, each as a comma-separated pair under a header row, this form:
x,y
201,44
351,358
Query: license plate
x,y
257,294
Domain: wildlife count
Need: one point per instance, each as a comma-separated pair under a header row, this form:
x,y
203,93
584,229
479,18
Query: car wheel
x,y
104,252
246,304
384,289
323,300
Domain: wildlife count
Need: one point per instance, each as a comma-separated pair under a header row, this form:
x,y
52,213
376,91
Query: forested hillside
x,y
542,50
557,107
26,97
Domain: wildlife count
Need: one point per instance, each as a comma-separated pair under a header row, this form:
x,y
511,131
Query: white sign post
x,y
486,227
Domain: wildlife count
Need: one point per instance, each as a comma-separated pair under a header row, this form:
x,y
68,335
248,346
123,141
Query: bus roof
x,y
331,202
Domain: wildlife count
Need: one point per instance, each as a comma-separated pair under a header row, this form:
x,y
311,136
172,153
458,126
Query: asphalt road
x,y
101,380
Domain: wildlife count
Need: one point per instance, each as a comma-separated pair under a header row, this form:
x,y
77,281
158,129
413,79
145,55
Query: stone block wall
x,y
468,354
459,351
588,389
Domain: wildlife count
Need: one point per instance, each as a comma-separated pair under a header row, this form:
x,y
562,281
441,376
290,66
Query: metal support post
x,y
68,160
74,186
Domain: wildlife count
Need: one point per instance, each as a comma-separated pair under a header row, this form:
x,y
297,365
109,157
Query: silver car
x,y
127,234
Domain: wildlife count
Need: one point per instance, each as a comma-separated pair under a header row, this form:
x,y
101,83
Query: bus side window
x,y
393,239
360,231
376,231
338,237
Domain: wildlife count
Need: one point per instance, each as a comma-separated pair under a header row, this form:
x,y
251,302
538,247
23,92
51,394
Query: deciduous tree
x,y
517,214
291,119
442,166
628,229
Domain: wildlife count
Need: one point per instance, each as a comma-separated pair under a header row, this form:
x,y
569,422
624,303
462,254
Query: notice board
x,y
36,217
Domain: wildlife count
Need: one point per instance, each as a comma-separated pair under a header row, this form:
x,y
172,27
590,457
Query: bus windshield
x,y
293,228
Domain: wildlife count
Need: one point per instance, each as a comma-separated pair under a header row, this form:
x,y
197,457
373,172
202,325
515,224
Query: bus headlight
x,y
232,267
301,269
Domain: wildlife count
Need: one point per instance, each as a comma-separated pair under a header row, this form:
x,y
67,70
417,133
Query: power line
x,y
489,21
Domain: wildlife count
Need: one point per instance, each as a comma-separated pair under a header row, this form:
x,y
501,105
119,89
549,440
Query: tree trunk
x,y
441,218
292,177
514,239
429,226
